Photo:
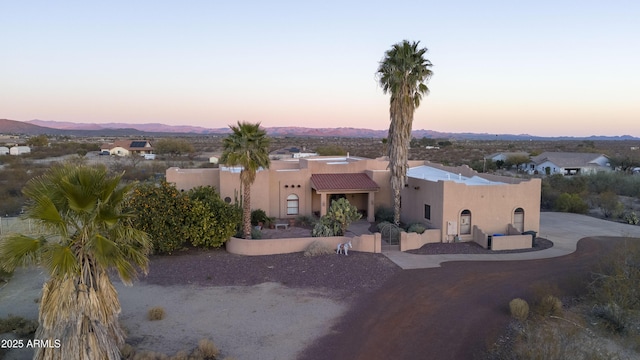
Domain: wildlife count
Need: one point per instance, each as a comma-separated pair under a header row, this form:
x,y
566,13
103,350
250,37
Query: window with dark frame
x,y
427,211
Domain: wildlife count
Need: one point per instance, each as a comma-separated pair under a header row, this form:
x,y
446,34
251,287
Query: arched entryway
x,y
518,219
465,222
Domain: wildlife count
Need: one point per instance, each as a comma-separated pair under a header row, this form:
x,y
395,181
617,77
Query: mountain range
x,y
38,127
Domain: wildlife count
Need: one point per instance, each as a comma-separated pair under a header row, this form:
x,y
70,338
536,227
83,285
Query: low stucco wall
x,y
412,241
480,238
363,243
511,242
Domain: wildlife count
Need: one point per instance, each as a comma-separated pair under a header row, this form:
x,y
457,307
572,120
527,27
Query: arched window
x,y
292,204
465,222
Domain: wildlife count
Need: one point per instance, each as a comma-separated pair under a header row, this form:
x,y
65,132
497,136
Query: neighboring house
x,y
4,150
565,163
128,147
458,201
503,156
19,150
291,152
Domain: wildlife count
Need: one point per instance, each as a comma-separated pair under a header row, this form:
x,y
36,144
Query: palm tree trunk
x,y
82,320
246,210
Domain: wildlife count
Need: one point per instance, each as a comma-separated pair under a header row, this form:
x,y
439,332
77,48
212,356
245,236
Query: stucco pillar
x,y
370,210
323,204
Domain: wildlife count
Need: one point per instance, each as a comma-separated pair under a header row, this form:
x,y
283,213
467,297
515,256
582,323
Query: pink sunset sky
x,y
546,68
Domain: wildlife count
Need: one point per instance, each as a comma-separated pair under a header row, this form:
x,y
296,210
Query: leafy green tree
x,y
248,147
89,234
517,161
403,73
40,140
161,212
211,221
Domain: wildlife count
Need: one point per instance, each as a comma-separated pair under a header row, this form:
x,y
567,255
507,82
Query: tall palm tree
x,y
88,234
248,147
403,73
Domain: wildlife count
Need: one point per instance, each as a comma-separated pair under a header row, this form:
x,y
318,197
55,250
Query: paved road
x,y
564,229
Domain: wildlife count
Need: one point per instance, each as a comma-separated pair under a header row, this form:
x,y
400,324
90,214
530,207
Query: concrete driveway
x,y
564,229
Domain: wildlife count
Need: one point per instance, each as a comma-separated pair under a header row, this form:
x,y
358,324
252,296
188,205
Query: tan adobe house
x,y
458,201
128,147
567,163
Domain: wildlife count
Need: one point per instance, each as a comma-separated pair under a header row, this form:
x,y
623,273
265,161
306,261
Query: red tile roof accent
x,y
345,181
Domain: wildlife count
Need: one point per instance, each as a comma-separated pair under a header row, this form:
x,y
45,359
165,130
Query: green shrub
x,y
258,216
318,248
630,218
609,204
519,309
572,203
322,229
156,313
384,213
417,228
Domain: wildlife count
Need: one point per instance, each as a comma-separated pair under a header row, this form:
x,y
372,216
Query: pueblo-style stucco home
x,y
459,201
128,147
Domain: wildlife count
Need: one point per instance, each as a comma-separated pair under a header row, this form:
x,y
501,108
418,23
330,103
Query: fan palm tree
x,y
248,147
80,209
403,73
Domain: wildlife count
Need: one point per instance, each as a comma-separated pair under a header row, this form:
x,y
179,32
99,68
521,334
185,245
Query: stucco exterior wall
x,y
492,207
364,243
186,179
411,241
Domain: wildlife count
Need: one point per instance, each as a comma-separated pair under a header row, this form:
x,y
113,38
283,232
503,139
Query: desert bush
x,y
617,280
323,228
609,204
384,213
549,305
211,221
519,309
156,313
180,355
127,352
318,248
206,350
18,325
630,218
416,228
615,317
572,203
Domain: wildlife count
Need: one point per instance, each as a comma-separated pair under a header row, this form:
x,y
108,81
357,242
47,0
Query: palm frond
x,y
19,250
60,260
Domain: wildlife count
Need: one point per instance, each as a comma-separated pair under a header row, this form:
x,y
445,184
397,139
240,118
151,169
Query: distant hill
x,y
37,127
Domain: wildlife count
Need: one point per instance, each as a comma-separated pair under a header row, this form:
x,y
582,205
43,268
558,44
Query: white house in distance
x,y
19,150
4,150
565,163
128,147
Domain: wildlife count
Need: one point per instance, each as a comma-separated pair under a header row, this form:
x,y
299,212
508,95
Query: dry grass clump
x,y
156,313
519,309
550,305
318,248
19,325
206,350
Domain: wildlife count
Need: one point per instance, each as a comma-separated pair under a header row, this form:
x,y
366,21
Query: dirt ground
x,y
452,312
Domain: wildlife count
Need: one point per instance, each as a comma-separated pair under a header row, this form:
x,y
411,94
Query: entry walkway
x,y
564,229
